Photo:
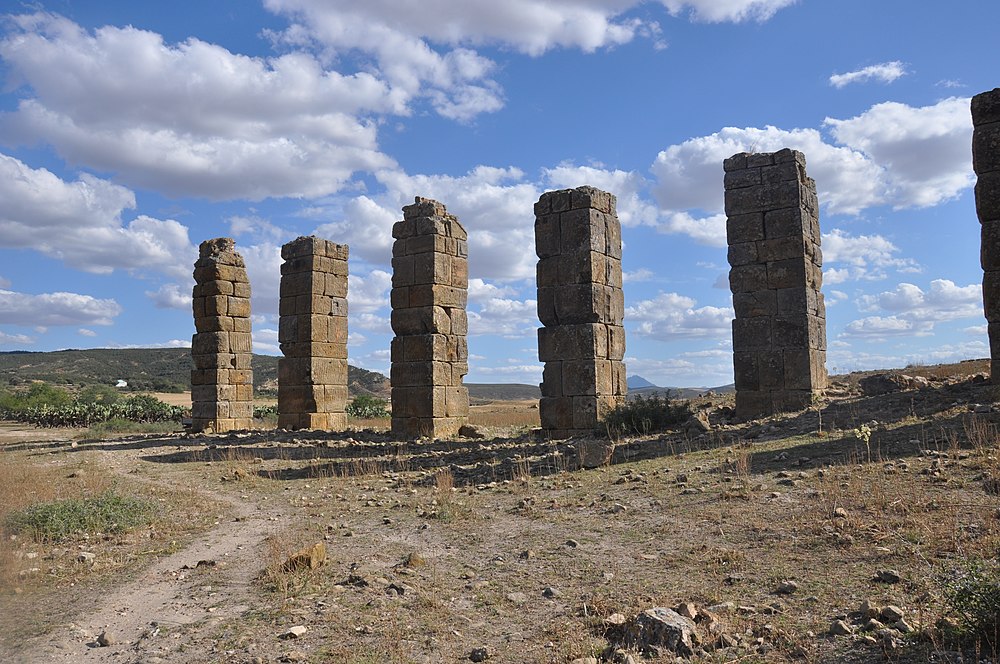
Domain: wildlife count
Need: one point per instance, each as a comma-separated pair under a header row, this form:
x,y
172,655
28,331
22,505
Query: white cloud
x,y
15,339
634,276
880,327
943,301
53,309
368,294
170,296
891,154
707,368
371,322
833,297
190,119
924,150
866,255
717,11
263,263
80,223
521,373
504,317
629,188
480,291
710,231
363,224
977,330
84,332
845,359
886,72
173,343
265,341
672,316
4,283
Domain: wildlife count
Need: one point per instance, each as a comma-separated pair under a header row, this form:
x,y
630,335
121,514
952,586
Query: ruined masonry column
x,y
222,380
430,281
779,334
986,164
581,304
312,332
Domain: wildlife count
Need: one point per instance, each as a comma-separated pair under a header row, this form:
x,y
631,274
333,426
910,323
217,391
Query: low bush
x,y
973,592
54,521
365,406
645,415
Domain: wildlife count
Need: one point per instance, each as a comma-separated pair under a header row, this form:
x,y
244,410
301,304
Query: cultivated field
x,y
506,547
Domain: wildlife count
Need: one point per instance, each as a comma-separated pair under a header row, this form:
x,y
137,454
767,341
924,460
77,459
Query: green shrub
x,y
365,406
973,591
644,415
102,394
110,512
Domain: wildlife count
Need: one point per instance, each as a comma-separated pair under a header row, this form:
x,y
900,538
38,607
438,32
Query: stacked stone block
x,y
986,164
430,356
581,306
222,379
312,332
779,333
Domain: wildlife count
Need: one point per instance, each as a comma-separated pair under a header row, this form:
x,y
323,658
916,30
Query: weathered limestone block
x,y
581,305
221,348
430,355
779,333
986,164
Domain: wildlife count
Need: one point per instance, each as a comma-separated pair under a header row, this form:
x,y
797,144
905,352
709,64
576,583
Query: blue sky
x,y
130,132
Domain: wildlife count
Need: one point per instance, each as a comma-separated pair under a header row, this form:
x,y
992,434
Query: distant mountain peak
x,y
636,382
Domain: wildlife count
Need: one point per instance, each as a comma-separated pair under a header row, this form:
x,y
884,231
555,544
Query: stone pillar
x,y
779,334
986,164
312,331
430,356
222,379
581,304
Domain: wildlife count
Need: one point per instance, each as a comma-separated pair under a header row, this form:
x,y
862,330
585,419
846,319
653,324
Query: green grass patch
x,y
55,521
118,425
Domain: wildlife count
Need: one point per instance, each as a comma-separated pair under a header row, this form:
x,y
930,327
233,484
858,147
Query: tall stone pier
x,y
581,305
312,333
430,356
986,164
779,334
222,379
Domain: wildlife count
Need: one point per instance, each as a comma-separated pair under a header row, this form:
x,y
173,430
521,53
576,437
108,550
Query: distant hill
x,y
638,382
148,369
503,392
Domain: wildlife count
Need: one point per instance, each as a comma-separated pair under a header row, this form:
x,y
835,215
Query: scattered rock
x,y
616,619
294,656
585,660
887,576
892,614
414,559
661,627
786,588
688,610
868,609
872,625
479,654
105,639
698,423
594,453
840,628
517,598
840,513
85,557
551,593
293,632
469,431
310,557
886,383
572,543
902,626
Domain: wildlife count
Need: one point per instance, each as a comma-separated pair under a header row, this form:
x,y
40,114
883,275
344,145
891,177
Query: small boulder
x,y
479,654
892,614
661,627
840,628
293,632
105,639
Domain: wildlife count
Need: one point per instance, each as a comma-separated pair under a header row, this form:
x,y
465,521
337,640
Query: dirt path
x,y
171,604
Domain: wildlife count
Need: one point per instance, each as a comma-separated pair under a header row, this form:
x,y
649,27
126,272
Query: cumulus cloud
x,y
634,276
15,339
924,151
633,207
265,341
368,294
81,223
170,296
891,154
886,72
84,332
867,257
55,309
190,119
504,317
717,11
944,300
672,316
880,327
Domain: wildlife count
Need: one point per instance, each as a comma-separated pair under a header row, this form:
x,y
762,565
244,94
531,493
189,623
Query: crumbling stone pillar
x,y
986,164
779,334
430,355
222,379
581,305
312,332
